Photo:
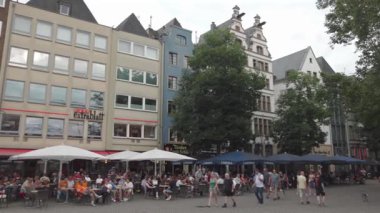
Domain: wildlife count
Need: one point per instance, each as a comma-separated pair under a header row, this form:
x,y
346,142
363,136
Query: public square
x,y
340,198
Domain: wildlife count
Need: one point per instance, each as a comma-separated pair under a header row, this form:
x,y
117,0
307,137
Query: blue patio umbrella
x,y
339,159
283,158
314,158
232,158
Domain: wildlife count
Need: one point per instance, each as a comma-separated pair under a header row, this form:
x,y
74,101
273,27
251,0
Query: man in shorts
x,y
301,186
229,187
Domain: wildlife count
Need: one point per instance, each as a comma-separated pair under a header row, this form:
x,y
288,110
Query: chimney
x,y
213,26
257,20
236,11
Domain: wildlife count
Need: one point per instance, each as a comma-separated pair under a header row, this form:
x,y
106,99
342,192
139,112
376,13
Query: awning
x,y
9,152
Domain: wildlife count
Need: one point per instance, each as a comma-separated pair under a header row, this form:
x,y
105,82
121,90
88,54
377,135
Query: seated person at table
x,y
147,185
82,189
168,191
120,189
128,189
106,189
26,187
37,183
62,188
45,181
99,181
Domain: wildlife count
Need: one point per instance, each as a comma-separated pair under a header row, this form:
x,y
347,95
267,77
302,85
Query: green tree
x,y
355,21
217,97
302,110
359,21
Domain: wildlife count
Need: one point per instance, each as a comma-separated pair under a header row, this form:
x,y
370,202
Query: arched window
x,y
260,50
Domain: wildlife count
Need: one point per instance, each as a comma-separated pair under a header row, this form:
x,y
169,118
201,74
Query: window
x,y
266,67
2,3
150,104
37,93
40,60
311,60
33,126
94,130
80,67
75,129
122,73
149,132
173,58
315,74
135,131
186,62
259,106
64,34
44,29
268,104
83,39
124,46
260,50
55,127
180,40
58,96
96,99
136,103
100,43
172,82
138,49
137,76
151,78
151,53
61,64
10,124
267,85
263,100
1,27
120,130
256,123
254,63
171,107
122,101
14,90
309,72
78,98
64,9
98,71
258,36
18,57
260,65
22,24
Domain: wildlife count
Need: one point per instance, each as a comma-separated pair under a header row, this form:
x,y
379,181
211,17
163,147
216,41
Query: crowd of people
x,y
120,187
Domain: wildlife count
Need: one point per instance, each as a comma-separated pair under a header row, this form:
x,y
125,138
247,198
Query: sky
x,y
291,25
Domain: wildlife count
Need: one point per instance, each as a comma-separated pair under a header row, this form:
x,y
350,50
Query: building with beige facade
x,y
67,79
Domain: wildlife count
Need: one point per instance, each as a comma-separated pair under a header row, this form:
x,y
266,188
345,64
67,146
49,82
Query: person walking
x,y
229,187
259,184
320,190
213,190
275,181
301,187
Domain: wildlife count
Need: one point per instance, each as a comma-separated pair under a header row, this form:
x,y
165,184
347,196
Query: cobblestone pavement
x,y
343,198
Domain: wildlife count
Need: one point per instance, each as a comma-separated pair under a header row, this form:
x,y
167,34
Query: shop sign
x,y
88,114
182,149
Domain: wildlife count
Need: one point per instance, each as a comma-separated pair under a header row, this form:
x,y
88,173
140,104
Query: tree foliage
x,y
217,97
302,110
358,21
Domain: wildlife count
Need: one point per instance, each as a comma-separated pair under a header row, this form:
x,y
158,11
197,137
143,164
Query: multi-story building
x,y
177,48
134,89
67,79
259,60
306,62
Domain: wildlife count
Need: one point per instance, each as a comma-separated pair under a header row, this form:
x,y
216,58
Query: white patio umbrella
x,y
122,156
63,153
159,155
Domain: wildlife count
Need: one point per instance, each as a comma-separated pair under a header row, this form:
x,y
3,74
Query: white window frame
x,y
78,74
82,32
30,100
62,11
99,48
51,102
126,130
39,67
22,32
97,77
2,3
61,71
49,37
144,104
66,28
122,51
23,65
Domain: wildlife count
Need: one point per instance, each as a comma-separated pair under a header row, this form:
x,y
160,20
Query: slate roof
x,y
132,25
293,61
78,8
174,22
325,67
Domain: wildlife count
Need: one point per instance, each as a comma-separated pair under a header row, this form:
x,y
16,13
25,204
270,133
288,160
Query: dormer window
x,y
64,9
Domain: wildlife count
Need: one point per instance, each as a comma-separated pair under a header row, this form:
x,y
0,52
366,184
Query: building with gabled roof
x,y
259,60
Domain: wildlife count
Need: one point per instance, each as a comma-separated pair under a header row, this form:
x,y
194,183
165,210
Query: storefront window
x,y
10,124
